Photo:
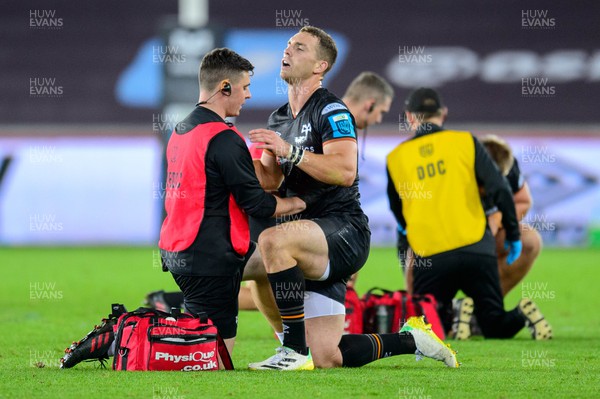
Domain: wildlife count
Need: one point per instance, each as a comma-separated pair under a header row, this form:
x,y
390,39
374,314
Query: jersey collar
x,y
289,108
427,128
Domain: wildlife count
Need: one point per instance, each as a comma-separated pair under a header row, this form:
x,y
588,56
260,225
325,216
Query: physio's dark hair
x,y
222,64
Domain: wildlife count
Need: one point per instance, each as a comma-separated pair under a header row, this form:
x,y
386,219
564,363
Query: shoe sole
x,y
97,338
264,365
305,367
465,313
537,324
432,343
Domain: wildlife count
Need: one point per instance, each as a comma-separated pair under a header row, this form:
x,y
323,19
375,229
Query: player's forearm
x,y
268,173
495,222
289,206
523,201
336,166
522,209
334,169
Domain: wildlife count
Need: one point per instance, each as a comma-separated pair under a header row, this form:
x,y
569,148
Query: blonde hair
x,y
369,85
500,152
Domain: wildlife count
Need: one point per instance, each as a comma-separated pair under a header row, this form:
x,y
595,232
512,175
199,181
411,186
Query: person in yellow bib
x,y
433,190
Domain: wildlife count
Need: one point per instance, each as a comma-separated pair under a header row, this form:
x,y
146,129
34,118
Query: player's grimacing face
x,y
299,57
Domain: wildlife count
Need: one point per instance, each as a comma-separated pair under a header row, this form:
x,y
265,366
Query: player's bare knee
x,y
326,358
532,243
537,243
273,250
325,363
269,243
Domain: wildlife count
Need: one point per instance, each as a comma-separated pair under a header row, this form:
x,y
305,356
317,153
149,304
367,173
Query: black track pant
x,y
477,276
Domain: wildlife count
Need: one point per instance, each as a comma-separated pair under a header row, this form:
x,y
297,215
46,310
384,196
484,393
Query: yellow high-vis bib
x,y
434,176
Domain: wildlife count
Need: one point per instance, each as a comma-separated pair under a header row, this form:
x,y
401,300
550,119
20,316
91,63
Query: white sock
x,y
280,336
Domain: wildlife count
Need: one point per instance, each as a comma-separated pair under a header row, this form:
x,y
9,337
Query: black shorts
x,y
335,290
348,242
217,296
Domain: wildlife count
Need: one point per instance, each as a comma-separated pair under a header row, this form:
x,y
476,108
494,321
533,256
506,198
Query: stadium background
x,y
85,105
90,92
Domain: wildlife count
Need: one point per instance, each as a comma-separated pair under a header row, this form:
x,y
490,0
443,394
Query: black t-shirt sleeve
x,y
230,154
496,189
335,122
515,178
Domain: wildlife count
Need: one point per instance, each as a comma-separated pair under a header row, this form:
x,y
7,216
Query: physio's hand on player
x,y
514,250
270,140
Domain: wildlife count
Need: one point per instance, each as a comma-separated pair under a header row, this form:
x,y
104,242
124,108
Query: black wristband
x,y
299,156
295,154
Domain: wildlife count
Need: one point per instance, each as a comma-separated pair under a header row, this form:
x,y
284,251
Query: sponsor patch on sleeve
x,y
342,125
333,107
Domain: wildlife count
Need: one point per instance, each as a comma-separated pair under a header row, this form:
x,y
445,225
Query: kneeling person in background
x,y
448,230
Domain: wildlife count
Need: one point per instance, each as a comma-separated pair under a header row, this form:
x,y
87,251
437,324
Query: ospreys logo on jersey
x,y
342,125
306,129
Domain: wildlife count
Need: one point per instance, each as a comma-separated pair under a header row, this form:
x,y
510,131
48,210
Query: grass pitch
x,y
52,296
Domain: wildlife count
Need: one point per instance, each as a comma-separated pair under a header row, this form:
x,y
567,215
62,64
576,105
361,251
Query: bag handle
x,y
371,293
175,313
384,291
144,311
203,316
224,353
